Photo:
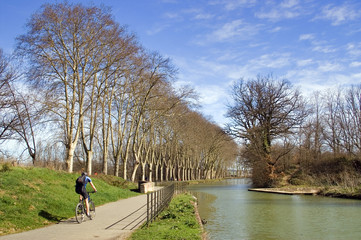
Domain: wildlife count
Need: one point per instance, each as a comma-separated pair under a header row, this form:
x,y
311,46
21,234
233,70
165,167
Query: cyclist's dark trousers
x,y
82,191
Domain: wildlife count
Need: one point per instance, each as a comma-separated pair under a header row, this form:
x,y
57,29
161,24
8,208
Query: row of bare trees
x,y
282,131
335,125
106,100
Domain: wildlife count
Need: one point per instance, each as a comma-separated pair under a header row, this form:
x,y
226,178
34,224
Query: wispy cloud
x,y
329,67
289,3
157,28
306,37
236,29
354,49
324,48
355,64
276,29
339,14
171,15
203,16
231,5
197,14
318,45
284,10
274,60
304,62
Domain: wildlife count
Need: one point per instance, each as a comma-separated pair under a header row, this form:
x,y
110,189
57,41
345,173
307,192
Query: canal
x,y
233,212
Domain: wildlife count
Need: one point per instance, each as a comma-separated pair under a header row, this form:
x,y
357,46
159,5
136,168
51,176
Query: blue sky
x,y
314,44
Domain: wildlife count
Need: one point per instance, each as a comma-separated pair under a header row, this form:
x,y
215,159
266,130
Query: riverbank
x,y
289,191
335,192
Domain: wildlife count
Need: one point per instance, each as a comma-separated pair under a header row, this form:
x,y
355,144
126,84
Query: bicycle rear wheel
x,y
92,209
79,213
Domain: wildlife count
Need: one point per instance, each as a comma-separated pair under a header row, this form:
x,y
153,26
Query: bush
x,y
6,167
261,174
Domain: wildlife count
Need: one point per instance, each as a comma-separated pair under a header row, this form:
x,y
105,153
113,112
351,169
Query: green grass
x,y
34,197
177,222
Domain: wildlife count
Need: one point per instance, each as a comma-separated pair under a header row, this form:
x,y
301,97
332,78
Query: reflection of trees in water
x,y
205,204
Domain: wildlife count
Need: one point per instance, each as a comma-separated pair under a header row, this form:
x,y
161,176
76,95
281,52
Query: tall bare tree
x,y
65,45
264,110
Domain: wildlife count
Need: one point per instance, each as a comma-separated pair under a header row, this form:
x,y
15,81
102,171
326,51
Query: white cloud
x,y
197,14
276,29
234,30
228,30
271,61
324,49
277,14
357,77
354,49
306,37
355,64
210,94
157,29
231,5
305,62
289,3
171,15
287,9
339,14
329,67
203,16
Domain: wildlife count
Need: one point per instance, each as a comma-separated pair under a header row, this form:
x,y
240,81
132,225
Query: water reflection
x,y
232,212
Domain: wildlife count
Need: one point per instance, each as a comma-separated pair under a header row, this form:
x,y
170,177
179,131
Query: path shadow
x,y
49,216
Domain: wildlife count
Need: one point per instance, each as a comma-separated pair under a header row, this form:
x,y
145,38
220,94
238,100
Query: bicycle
x,y
80,209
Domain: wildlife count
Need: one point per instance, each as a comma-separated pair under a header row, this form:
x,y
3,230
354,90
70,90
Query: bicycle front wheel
x,y
79,213
92,209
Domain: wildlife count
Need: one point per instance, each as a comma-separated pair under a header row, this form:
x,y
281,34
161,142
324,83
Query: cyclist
x,y
80,188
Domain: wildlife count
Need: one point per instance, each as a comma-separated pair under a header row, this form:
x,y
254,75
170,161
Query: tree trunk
x,y
156,172
135,171
143,170
70,157
89,162
150,172
161,173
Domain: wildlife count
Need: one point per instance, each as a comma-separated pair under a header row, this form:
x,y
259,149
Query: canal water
x,y
233,212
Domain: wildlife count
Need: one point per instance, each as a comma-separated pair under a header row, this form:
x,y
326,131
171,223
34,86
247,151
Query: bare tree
x,y
333,105
28,116
265,110
8,118
64,44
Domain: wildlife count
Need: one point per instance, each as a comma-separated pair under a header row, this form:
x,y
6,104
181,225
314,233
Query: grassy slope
x,y
178,222
34,197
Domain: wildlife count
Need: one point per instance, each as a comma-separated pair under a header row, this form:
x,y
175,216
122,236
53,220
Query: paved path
x,y
112,221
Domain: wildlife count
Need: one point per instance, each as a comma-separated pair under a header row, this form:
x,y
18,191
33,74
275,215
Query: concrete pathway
x,y
112,221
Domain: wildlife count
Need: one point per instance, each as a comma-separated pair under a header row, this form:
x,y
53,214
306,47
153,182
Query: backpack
x,y
80,181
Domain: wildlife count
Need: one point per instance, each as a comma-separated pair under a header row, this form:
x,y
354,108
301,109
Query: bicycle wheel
x,y
79,213
92,209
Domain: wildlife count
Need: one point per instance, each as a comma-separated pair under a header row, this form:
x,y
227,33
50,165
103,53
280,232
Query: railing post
x,y
158,200
151,207
148,209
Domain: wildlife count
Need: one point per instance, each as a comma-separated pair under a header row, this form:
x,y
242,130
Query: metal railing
x,y
158,200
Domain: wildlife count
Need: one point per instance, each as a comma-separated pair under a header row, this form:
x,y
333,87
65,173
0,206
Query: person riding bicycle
x,y
80,188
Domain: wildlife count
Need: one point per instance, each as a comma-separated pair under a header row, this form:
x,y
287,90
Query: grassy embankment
x,y
177,222
34,197
338,177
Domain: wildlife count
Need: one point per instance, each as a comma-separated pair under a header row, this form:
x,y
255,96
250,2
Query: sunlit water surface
x,y
233,212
